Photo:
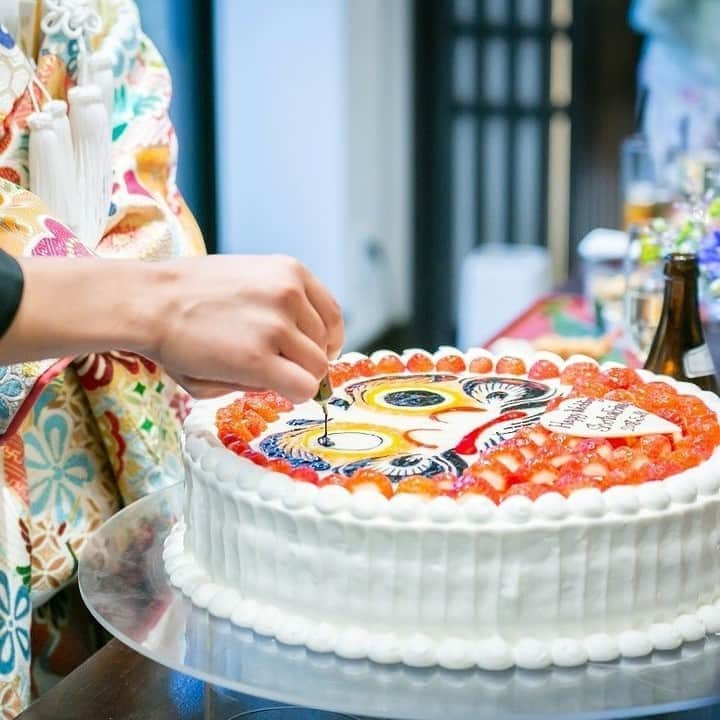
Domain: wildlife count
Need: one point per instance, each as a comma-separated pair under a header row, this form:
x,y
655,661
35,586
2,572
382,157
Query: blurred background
x,y
435,162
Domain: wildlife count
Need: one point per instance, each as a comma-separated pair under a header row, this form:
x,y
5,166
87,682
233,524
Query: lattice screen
x,y
497,140
511,95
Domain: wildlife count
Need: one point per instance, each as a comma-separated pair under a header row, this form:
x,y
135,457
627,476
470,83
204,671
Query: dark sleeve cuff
x,y
11,290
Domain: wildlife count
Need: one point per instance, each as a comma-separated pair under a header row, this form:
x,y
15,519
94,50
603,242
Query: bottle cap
x,y
681,264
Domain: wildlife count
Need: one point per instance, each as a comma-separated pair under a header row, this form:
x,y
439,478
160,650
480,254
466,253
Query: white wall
x,y
313,144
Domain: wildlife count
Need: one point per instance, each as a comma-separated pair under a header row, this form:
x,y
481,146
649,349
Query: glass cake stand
x,y
123,582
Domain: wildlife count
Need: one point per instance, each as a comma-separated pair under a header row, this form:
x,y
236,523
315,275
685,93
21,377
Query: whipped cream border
x,y
695,484
419,650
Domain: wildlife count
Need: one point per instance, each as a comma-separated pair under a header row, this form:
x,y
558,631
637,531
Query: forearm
x,y
75,306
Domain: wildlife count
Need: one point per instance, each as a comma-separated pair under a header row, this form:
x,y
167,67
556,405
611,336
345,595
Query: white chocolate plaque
x,y
589,418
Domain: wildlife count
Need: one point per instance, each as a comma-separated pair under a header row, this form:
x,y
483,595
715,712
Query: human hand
x,y
216,324
243,322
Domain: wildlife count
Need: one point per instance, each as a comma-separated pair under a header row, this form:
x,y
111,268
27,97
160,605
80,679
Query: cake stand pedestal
x,y
123,583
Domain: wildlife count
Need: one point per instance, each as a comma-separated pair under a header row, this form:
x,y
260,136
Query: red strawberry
x,y
639,459
254,456
262,408
238,432
647,473
340,373
671,415
524,444
543,370
592,386
528,490
562,459
451,363
655,446
704,446
507,365
686,457
491,471
364,368
227,436
418,485
238,447
569,441
272,399
478,486
332,479
622,458
419,362
595,468
369,478
617,442
538,434
541,472
621,396
661,388
576,370
280,466
667,467
570,482
305,474
708,429
596,446
622,378
616,476
510,457
481,365
390,364
253,423
446,482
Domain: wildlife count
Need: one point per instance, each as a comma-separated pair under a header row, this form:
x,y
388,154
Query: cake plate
x,y
123,583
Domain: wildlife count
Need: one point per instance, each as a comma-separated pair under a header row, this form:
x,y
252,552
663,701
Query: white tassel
x,y
47,174
67,202
93,161
101,74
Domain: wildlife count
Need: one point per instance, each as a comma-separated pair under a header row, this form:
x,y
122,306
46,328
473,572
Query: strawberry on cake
x,y
462,510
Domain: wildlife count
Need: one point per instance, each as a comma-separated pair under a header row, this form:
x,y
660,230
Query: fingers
x,y
301,350
207,389
290,380
281,375
311,324
329,312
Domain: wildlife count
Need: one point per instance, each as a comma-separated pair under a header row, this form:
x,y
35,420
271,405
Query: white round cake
x,y
463,510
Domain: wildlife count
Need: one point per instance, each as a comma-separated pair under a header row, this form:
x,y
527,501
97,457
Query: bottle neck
x,y
681,299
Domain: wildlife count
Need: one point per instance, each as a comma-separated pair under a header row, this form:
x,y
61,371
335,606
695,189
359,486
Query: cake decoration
x,y
485,433
409,424
585,417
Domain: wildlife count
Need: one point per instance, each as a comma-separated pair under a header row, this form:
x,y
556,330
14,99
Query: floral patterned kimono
x,y
80,437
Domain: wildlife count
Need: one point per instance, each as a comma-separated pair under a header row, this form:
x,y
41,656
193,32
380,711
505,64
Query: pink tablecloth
x,y
563,314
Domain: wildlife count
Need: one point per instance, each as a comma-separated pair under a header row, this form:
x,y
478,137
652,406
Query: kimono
x,y
80,437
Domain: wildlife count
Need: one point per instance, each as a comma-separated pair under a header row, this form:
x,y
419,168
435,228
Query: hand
x,y
245,322
216,324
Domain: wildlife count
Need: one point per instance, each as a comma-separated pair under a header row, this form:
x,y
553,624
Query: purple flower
x,y
709,254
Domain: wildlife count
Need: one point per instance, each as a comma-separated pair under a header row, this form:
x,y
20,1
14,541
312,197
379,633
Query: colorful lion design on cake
x,y
464,510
